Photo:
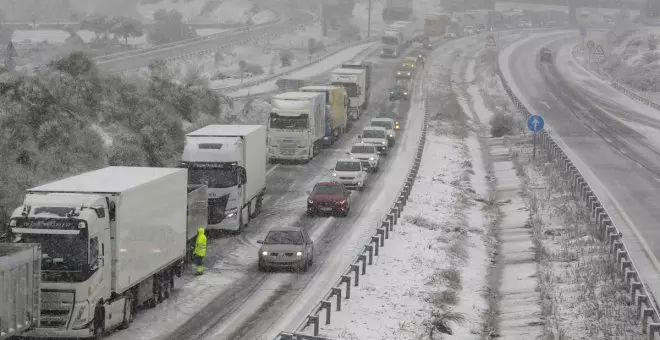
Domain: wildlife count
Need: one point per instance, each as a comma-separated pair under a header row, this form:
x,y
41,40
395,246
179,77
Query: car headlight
x,y
299,253
334,174
372,159
405,93
391,135
264,253
383,143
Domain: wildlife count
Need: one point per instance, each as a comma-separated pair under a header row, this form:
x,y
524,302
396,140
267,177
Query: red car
x,y
330,198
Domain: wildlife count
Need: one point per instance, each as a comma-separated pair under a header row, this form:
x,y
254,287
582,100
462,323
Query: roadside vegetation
x,y
71,118
582,294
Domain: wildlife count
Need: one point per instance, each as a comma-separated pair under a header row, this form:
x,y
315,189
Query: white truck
x,y
355,83
392,43
407,30
112,241
297,125
231,161
20,275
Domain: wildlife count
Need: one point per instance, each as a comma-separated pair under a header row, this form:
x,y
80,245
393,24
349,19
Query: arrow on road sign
x,y
591,44
598,51
490,41
535,123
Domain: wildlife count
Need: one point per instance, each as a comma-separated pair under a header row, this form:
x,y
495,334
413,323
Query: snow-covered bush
x,y
70,118
502,124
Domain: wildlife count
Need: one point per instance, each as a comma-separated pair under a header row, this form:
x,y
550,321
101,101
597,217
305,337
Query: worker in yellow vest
x,y
200,251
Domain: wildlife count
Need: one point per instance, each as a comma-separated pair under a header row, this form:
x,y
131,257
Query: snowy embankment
x,y
210,11
323,66
432,274
632,58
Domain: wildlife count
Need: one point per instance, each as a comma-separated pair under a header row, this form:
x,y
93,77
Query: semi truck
x,y
367,66
112,240
289,84
231,161
296,126
392,43
407,29
336,110
20,275
397,10
355,83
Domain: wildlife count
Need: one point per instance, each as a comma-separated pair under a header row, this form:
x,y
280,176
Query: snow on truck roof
x,y
108,180
319,87
296,95
224,130
349,70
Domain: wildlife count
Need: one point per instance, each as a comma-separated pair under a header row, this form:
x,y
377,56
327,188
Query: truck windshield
x,y
351,88
64,257
390,40
213,177
373,134
288,123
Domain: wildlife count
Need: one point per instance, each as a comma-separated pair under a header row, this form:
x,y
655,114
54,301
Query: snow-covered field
x,y
227,11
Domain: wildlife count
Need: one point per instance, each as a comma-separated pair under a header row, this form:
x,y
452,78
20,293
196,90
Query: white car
x,y
389,125
377,136
367,154
351,173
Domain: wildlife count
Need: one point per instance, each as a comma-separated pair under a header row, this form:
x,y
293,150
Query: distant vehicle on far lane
x,y
545,55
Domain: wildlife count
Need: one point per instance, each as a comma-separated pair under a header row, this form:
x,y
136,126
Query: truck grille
x,y
56,308
288,147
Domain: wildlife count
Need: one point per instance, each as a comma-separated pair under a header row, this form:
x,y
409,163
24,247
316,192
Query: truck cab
x,y
231,161
355,83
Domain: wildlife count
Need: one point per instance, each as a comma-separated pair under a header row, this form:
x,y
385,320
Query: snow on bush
x,y
633,58
71,118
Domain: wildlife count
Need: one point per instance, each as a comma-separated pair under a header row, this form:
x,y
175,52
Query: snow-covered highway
x,y
613,140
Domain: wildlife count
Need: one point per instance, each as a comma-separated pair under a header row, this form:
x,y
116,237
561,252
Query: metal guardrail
x,y
635,95
319,59
647,310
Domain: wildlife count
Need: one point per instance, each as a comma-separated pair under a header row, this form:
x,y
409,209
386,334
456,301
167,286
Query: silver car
x,y
286,247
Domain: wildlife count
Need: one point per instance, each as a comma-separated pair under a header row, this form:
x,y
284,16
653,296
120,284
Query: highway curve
x,y
288,17
619,162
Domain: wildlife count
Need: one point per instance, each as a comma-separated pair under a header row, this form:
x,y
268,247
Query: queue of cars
x,y
291,247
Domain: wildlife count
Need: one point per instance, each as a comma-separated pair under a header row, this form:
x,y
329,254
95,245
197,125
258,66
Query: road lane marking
x,y
272,169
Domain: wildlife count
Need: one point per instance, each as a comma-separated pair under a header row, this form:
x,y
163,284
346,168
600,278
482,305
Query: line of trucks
x,y
83,254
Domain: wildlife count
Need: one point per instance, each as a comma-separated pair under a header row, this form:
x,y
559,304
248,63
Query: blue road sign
x,y
535,123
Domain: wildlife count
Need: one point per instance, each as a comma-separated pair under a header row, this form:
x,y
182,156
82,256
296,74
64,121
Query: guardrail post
x,y
285,336
328,309
314,320
397,209
647,313
386,225
347,279
363,258
634,287
395,218
370,249
403,199
337,292
356,268
381,233
653,328
391,218
375,240
642,300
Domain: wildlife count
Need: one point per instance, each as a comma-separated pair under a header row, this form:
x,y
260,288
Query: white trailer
x,y
20,274
231,161
355,83
407,30
297,125
112,240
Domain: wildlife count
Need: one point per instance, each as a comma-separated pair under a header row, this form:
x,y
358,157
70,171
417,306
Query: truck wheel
x,y
128,313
